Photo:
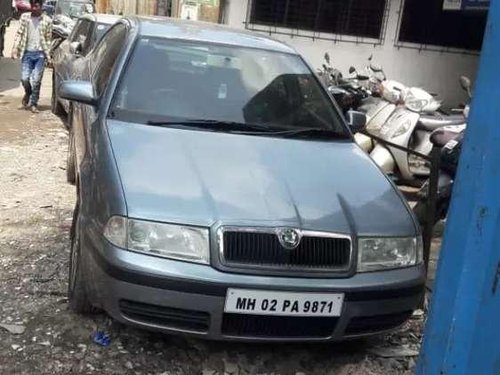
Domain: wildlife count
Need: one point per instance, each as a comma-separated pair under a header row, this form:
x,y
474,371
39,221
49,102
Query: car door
x,y
99,65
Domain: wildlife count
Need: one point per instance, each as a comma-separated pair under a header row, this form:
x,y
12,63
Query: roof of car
x,y
208,32
101,18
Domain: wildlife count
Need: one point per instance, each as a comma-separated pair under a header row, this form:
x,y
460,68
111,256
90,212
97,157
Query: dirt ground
x,y
35,216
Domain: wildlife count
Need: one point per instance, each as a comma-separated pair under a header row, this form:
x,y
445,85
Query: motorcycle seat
x,y
440,137
431,123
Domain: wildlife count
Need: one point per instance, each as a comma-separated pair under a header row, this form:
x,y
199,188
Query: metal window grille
x,y
359,21
424,25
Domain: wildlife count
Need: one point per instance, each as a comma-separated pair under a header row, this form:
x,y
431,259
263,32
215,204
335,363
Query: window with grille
x,y
361,18
426,23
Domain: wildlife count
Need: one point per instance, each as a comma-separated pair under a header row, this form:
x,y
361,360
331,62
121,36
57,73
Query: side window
x,y
81,32
76,31
87,42
106,55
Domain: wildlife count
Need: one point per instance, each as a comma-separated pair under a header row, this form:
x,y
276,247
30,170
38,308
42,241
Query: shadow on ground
x,y
10,74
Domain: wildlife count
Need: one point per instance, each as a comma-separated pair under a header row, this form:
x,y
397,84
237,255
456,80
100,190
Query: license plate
x,y
260,302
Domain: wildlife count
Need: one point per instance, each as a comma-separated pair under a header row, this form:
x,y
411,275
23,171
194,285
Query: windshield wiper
x,y
252,129
317,133
231,126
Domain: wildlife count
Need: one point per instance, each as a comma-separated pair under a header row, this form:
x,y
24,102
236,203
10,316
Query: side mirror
x,y
356,120
466,85
352,69
75,48
465,82
327,58
78,91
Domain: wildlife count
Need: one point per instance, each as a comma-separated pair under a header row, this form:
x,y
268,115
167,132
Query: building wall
x,y
208,9
437,72
127,7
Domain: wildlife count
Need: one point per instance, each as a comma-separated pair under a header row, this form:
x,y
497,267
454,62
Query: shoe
x,y
26,99
34,109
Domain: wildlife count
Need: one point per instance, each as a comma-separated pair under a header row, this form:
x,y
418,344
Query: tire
x,y
56,106
71,160
420,211
78,297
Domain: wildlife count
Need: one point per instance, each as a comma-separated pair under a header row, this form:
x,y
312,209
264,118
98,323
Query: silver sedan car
x,y
220,193
87,32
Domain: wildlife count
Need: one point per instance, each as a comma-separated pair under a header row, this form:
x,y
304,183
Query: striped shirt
x,y
21,42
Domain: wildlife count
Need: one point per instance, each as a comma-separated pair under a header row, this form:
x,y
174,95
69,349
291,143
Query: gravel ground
x,y
35,216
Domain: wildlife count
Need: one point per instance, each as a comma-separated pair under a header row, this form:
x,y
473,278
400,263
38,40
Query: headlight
x,y
171,241
416,105
376,254
403,128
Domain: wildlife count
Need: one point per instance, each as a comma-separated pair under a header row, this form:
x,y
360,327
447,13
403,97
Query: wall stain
x,y
479,224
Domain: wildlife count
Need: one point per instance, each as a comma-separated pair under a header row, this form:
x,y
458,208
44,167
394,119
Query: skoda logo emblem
x,y
289,238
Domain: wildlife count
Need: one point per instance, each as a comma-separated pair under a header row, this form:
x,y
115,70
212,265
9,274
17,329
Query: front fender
x,y
101,192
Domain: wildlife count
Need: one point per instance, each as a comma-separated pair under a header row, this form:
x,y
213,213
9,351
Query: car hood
x,y
211,178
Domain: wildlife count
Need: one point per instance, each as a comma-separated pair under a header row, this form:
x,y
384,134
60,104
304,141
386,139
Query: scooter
x,y
450,140
348,93
330,75
410,127
378,108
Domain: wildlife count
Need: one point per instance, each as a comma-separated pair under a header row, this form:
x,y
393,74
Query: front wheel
x,y
71,159
77,281
56,106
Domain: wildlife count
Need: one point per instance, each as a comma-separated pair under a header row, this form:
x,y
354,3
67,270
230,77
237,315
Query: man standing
x,y
32,42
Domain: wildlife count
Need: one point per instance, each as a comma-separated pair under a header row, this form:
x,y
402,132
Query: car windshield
x,y
169,81
74,9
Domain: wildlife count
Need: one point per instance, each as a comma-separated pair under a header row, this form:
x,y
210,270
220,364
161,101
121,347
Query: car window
x,y
172,80
90,40
76,31
99,31
106,54
82,34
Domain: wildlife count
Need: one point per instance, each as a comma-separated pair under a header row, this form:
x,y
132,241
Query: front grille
x,y
240,325
377,323
167,317
265,250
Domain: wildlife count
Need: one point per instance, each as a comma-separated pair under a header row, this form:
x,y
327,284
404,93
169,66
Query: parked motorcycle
x,y
410,126
450,140
383,101
348,93
330,75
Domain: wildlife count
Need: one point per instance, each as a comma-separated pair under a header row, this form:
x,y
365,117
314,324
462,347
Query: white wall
x,y
435,71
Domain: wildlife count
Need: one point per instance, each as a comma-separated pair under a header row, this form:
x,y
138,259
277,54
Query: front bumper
x,y
177,297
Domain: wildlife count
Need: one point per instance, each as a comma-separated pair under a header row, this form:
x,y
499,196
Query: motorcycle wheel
x,y
420,211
